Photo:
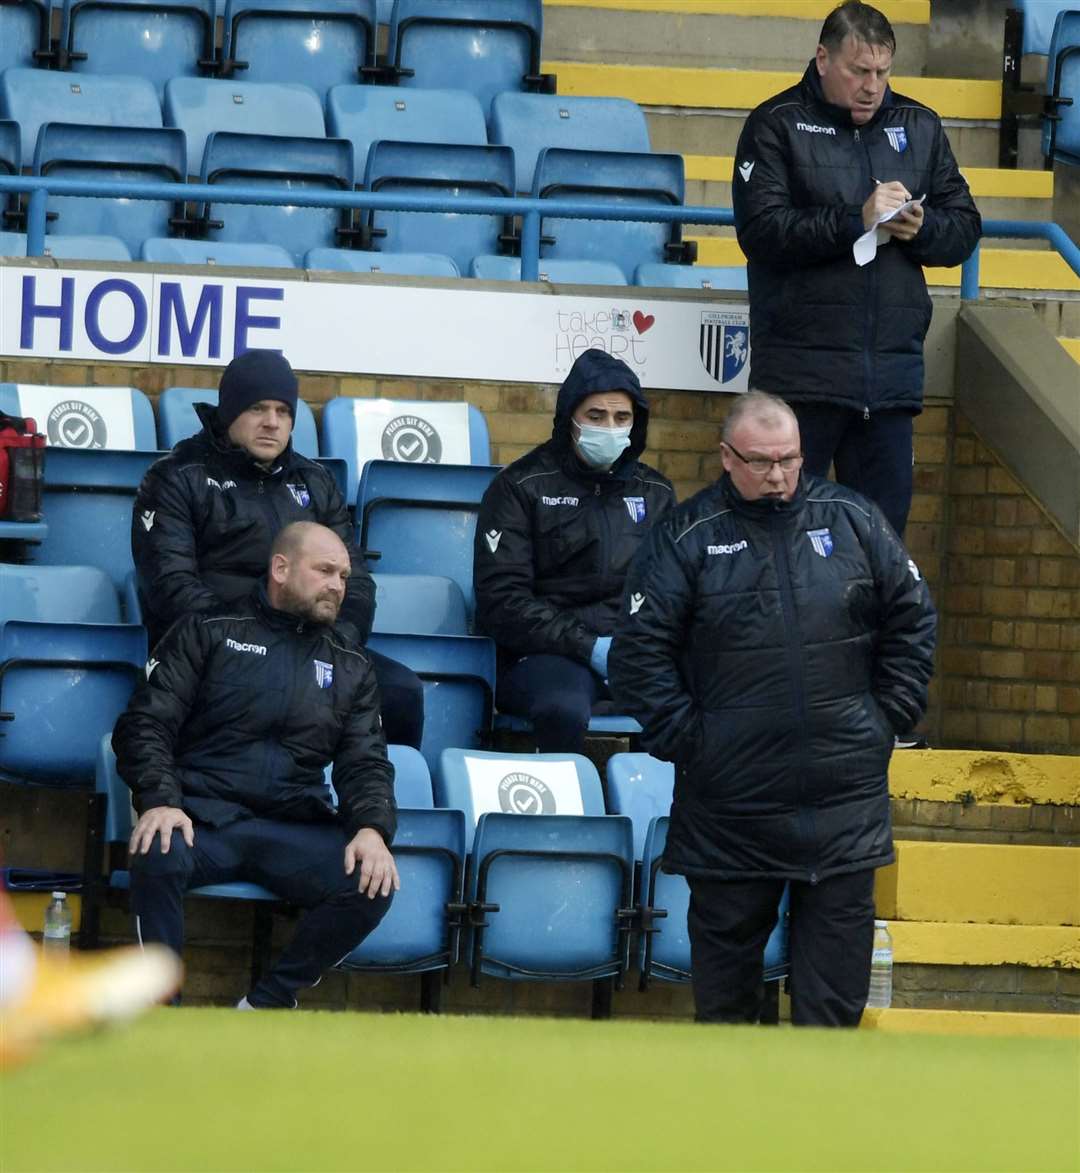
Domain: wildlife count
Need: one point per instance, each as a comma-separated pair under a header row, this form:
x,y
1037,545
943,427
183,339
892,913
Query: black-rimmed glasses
x,y
762,465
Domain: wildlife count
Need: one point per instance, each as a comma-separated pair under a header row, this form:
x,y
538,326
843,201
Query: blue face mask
x,y
601,447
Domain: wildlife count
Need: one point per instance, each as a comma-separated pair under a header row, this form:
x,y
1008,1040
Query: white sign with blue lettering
x,y
508,335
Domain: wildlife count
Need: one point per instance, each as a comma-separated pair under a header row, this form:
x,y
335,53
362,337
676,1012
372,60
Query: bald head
x,y
309,571
768,411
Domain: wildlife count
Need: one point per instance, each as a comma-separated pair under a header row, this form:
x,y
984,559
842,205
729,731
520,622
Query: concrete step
x,y
1072,345
1000,195
984,884
701,111
963,943
974,1023
964,775
757,34
1001,268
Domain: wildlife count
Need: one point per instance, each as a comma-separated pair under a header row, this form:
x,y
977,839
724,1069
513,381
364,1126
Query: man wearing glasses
x,y
775,635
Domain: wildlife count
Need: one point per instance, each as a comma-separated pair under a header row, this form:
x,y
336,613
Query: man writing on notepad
x,y
817,166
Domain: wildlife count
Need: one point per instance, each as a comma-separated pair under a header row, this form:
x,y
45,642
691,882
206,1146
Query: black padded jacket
x,y
770,650
239,715
554,538
822,328
204,520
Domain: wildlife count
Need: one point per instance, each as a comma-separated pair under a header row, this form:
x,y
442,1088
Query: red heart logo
x,y
642,321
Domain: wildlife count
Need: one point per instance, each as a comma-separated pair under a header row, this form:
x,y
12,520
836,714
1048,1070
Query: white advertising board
x,y
507,335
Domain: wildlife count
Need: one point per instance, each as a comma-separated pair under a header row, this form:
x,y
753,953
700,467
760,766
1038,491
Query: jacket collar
x,y
282,620
838,115
767,510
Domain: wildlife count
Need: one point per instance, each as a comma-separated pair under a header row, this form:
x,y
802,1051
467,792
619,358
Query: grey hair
x,y
766,409
853,19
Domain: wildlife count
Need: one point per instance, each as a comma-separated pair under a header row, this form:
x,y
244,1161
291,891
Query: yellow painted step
x,y
1000,268
743,89
1072,345
988,182
952,775
943,943
897,11
974,1022
999,884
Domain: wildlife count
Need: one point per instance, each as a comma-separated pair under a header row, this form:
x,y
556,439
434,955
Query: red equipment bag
x,y
22,469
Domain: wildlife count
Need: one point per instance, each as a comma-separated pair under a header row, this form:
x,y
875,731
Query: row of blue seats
x,y
541,895
593,150
484,46
169,251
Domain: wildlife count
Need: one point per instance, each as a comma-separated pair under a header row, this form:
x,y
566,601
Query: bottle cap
x,y
881,924
59,895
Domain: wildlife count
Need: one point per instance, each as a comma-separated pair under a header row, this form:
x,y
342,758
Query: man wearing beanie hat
x,y
554,539
206,516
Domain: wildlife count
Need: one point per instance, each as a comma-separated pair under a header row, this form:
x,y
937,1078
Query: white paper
x,y
539,788
865,248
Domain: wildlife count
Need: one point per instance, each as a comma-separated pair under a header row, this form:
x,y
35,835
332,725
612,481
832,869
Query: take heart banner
x,y
506,332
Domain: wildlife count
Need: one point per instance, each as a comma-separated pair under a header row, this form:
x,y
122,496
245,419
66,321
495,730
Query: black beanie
x,y
251,377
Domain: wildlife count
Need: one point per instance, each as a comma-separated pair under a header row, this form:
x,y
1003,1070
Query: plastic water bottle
x,y
880,996
56,940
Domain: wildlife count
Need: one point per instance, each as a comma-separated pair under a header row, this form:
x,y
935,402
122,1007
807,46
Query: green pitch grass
x,y
221,1090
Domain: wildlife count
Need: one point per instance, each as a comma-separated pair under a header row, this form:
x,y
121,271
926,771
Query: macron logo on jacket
x,y
812,128
258,649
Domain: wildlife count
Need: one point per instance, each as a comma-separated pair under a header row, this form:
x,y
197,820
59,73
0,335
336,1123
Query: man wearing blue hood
x,y
556,534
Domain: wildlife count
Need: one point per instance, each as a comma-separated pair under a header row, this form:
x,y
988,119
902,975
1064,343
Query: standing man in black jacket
x,y
556,533
224,747
816,167
775,637
207,514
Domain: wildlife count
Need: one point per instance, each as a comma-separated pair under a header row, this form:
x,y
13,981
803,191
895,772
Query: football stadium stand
x,y
577,154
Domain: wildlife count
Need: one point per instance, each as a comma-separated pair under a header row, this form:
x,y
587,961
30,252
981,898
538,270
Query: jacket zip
x,y
795,669
870,323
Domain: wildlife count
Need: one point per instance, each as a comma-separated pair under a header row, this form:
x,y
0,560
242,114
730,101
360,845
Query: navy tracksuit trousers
x,y
303,863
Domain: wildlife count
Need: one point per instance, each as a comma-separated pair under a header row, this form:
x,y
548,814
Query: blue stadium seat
x,y
129,599
347,422
418,934
529,123
317,43
177,419
602,724
1040,18
458,672
154,39
641,787
384,10
366,114
342,260
34,96
554,888
76,248
412,778
10,164
446,171
117,154
661,276
484,46
557,272
420,519
200,106
24,33
1061,133
63,681
611,178
419,604
282,164
163,250
89,489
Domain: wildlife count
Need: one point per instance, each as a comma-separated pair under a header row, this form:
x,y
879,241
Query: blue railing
x,y
1018,230
529,209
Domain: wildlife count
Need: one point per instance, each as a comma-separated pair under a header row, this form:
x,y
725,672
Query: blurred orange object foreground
x,y
85,990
